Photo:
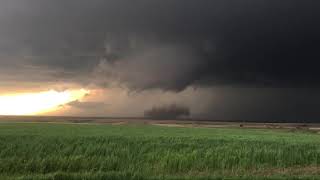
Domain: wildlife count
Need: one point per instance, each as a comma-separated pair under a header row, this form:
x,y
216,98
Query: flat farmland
x,y
149,151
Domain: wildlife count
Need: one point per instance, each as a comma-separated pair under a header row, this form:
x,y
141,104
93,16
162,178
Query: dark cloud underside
x,y
208,42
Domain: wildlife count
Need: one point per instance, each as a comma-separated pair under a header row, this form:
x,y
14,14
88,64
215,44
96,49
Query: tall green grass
x,y
55,151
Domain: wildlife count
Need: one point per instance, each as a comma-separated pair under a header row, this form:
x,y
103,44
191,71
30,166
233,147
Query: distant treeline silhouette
x,y
169,111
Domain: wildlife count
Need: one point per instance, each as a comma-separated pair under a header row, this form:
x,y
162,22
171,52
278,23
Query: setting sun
x,y
38,103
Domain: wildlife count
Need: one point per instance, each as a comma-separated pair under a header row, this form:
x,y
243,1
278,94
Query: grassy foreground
x,y
66,151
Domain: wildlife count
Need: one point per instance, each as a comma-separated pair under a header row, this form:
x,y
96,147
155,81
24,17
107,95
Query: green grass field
x,y
89,151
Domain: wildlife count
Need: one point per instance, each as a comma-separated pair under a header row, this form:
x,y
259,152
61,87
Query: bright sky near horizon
x,y
38,103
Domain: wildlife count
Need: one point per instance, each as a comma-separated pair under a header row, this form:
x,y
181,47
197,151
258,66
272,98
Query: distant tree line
x,y
170,111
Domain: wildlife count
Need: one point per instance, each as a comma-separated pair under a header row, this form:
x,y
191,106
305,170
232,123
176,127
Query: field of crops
x,y
136,151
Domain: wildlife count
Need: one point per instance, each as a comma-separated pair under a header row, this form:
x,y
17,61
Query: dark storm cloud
x,y
168,44
264,105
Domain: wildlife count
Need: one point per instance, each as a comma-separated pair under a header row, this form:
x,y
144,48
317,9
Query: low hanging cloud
x,y
168,68
87,105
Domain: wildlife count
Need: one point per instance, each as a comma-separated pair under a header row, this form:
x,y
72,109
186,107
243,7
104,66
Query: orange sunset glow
x,y
38,103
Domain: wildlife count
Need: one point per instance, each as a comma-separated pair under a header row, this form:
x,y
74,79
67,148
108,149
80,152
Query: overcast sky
x,y
225,59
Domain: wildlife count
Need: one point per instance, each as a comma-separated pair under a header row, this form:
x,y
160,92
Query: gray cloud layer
x,y
167,44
